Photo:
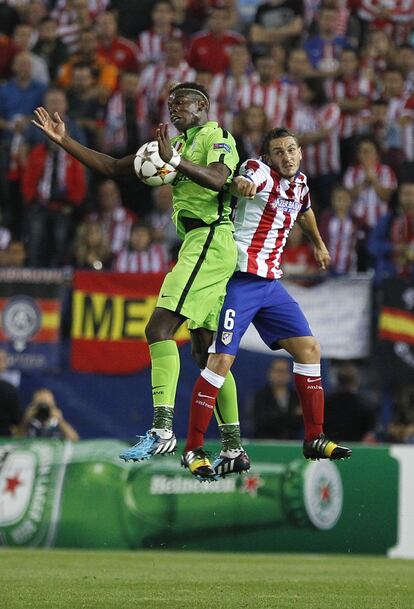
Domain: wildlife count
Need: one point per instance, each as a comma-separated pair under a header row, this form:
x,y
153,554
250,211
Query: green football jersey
x,y
203,145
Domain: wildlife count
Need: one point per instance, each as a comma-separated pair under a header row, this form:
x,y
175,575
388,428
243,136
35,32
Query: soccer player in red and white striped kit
x,y
272,195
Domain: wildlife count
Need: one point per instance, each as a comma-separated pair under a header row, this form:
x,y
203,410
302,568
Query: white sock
x,y
165,434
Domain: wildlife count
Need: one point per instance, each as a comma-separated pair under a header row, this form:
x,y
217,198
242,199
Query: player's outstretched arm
x,y
307,222
55,129
213,176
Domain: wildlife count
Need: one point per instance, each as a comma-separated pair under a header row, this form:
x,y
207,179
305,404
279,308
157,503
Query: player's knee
x,y
220,363
312,350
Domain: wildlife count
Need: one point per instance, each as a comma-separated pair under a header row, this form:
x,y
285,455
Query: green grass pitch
x,y
72,579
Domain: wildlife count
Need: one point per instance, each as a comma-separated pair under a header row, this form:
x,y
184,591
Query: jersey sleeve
x,y
252,170
221,148
305,198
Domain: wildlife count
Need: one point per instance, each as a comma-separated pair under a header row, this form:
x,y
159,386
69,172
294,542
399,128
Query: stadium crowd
x,y
339,73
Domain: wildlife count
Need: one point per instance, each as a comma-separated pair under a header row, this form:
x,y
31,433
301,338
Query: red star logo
x,y
12,484
251,484
325,493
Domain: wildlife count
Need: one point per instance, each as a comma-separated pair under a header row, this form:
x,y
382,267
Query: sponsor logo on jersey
x,y
226,337
222,146
288,205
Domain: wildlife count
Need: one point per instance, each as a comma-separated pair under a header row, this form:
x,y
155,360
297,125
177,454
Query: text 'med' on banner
x,y
109,315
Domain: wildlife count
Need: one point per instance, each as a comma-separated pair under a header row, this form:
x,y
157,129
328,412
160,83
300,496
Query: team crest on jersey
x,y
226,337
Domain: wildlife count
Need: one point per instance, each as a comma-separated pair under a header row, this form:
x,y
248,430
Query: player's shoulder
x,y
301,178
254,165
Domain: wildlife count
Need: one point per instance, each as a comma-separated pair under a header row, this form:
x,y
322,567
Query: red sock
x,y
311,397
202,406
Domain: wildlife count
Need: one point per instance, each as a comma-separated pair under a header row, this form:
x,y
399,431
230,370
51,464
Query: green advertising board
x,y
82,495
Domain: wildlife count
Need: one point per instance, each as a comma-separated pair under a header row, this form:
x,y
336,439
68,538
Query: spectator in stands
x,y
209,49
267,91
339,231
22,38
349,413
184,17
43,419
316,123
278,21
53,187
114,48
72,18
19,96
151,42
159,219
377,53
404,62
298,68
400,133
8,52
50,47
401,429
225,87
91,249
370,184
156,79
126,126
393,17
298,261
105,74
142,254
275,411
402,232
10,413
84,107
115,219
352,92
252,127
324,48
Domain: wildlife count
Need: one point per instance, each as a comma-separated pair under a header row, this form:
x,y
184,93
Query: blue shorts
x,y
263,302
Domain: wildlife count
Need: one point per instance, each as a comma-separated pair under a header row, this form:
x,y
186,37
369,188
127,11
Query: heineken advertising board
x,y
82,495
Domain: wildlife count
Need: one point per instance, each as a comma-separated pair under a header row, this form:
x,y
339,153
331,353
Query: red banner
x,y
109,315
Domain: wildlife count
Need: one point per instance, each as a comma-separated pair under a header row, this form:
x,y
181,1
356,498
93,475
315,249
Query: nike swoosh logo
x,y
313,380
165,296
158,386
203,395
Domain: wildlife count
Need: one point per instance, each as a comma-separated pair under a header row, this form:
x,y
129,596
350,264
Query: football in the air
x,y
150,168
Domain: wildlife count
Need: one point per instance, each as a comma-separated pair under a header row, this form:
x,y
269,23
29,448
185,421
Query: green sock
x,y
227,414
165,362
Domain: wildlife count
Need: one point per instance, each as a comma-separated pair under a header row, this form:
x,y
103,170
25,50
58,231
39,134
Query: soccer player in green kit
x,y
195,288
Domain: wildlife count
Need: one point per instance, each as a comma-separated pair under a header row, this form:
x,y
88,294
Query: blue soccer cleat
x,y
149,445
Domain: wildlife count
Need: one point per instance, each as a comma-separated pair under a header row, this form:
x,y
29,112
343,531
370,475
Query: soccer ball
x,y
150,168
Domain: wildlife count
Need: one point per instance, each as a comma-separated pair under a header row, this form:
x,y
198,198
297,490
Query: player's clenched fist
x,y
243,188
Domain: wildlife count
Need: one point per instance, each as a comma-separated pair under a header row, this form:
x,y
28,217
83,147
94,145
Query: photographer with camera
x,y
43,419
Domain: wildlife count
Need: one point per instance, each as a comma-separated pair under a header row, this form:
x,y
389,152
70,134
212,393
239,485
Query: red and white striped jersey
x,y
350,89
397,24
262,224
323,157
154,83
274,98
224,92
340,236
152,260
151,45
368,207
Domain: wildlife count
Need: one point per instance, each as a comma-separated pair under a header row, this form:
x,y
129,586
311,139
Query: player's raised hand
x,y
322,257
243,188
53,127
165,149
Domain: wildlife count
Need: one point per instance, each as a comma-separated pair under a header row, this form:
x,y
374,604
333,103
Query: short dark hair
x,y
192,87
275,134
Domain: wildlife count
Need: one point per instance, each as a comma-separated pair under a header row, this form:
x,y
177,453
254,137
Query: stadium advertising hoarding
x,y
81,495
30,313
